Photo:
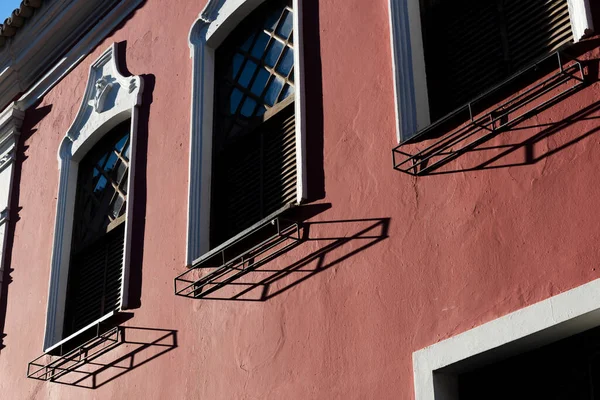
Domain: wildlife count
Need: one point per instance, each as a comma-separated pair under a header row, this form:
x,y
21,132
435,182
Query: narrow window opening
x,y
96,267
471,45
254,140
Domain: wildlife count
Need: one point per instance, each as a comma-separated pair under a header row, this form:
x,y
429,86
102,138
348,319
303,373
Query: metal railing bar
x,y
489,119
234,263
219,285
484,138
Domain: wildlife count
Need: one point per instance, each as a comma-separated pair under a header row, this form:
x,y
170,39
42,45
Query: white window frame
x,y
408,61
218,19
555,318
110,98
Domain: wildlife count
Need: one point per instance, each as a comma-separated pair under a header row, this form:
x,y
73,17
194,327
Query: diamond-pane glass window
x,y
254,149
94,284
256,63
102,188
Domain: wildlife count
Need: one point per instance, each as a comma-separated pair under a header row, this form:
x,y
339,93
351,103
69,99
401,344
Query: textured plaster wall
x,y
463,248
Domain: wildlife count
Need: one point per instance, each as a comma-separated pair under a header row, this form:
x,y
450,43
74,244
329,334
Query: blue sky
x,y
6,7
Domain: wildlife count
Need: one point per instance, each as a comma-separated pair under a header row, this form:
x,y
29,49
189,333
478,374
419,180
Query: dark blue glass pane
x,y
247,73
238,59
273,90
234,100
286,25
286,63
112,160
247,43
271,20
273,53
126,152
102,160
121,143
286,92
261,44
261,111
100,185
260,82
248,107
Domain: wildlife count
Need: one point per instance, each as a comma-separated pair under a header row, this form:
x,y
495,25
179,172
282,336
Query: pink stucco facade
x,y
407,262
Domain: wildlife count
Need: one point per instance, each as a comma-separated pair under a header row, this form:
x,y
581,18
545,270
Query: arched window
x,y
254,139
89,273
96,267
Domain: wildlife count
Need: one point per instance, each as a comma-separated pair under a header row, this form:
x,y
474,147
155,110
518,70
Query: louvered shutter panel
x,y
254,177
472,45
94,287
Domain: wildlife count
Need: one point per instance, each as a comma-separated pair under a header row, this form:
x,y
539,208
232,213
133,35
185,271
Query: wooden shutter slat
x,y
254,176
95,281
472,45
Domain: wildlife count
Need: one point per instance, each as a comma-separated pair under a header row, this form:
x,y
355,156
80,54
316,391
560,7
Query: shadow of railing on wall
x,y
104,358
428,158
264,280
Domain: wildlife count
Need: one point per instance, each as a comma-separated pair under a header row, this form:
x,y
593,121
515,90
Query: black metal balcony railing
x,y
483,126
50,368
256,246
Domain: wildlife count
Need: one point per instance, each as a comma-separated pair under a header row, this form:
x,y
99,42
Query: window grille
x,y
254,149
472,45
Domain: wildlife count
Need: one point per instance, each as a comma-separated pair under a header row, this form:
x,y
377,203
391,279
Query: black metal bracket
x,y
49,368
255,247
480,128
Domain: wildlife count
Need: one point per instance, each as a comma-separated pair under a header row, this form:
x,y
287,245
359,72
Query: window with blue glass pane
x,y
258,61
254,137
102,187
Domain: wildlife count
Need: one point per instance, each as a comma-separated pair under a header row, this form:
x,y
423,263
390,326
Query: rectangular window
x,y
447,53
472,45
254,138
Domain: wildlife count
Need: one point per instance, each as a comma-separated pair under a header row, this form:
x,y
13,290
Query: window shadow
x,y
138,219
313,80
112,355
336,241
32,117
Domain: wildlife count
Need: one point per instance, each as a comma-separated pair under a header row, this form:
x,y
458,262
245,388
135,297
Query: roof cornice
x,y
48,34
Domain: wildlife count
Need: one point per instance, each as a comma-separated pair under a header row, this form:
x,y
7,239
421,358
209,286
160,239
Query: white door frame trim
x,y
555,318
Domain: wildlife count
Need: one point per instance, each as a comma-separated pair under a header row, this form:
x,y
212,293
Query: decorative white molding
x,y
110,98
408,61
103,17
11,120
581,18
215,22
558,317
103,87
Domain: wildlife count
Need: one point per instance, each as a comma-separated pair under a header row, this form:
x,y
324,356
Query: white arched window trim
x,y
408,60
110,98
216,21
